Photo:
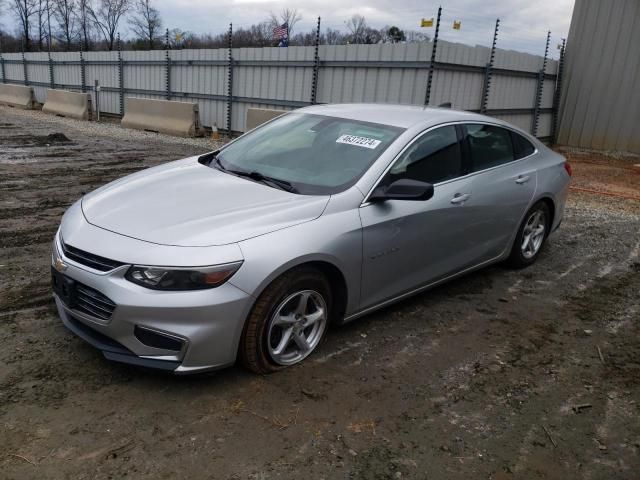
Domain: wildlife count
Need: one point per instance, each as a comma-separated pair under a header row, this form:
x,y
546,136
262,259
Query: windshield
x,y
313,154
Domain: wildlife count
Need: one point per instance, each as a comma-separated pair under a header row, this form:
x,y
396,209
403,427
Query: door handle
x,y
460,198
522,179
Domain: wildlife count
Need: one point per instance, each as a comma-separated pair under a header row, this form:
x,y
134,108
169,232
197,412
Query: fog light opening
x,y
155,339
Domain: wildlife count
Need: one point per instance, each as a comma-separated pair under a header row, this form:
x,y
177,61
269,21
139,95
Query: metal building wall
x,y
600,103
281,78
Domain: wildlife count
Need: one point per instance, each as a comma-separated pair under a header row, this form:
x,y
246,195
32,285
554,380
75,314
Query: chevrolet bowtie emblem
x,y
59,265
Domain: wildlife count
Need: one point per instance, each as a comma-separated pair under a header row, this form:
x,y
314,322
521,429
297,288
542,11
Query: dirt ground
x,y
531,374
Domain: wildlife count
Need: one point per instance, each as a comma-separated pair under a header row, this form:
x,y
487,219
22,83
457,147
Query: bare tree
x,y
334,37
85,24
290,16
41,25
106,17
357,26
43,17
2,10
414,36
24,11
262,34
64,12
145,22
180,38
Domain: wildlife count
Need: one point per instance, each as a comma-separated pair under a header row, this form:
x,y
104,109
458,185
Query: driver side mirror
x,y
403,189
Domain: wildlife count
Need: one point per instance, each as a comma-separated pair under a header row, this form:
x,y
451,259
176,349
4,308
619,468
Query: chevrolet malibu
x,y
313,219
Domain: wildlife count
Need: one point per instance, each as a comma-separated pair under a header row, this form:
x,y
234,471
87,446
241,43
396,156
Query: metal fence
x,y
515,86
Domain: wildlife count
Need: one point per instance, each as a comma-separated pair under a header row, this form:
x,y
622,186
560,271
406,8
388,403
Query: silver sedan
x,y
314,219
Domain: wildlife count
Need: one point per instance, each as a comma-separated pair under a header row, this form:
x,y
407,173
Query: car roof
x,y
404,116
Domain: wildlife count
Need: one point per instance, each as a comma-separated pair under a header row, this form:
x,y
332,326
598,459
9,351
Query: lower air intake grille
x,y
89,259
93,303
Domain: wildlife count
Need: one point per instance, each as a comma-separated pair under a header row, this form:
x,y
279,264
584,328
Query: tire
x,y
522,255
276,311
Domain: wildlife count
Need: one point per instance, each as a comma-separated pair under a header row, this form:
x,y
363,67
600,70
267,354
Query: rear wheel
x,y
531,236
287,322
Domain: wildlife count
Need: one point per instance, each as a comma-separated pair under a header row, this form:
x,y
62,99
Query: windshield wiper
x,y
219,164
259,177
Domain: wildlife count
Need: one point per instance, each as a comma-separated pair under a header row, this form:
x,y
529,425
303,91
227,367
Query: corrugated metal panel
x,y
107,75
282,81
600,105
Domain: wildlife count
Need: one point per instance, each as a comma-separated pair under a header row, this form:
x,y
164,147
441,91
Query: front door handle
x,y
460,198
522,179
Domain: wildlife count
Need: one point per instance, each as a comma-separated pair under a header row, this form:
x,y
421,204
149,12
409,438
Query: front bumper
x,y
206,324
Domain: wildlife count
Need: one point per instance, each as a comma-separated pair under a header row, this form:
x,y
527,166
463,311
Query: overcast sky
x,y
524,23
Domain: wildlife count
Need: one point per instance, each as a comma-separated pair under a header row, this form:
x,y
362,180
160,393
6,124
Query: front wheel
x,y
287,322
531,236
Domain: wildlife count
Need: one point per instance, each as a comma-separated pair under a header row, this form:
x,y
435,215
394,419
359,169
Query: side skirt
x,y
421,289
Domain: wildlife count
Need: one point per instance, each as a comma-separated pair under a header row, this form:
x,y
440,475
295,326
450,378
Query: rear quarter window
x,y
521,146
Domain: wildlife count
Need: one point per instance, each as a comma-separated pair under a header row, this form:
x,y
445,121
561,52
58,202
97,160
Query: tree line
x,y
68,25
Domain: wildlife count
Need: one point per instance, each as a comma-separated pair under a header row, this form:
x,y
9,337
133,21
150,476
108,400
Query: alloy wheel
x,y
533,234
296,327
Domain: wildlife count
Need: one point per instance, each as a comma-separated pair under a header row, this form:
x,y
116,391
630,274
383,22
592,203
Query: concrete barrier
x,y
174,118
18,96
68,104
258,116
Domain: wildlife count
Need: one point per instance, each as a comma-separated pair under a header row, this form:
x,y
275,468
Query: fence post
x,y
96,91
120,77
230,81
316,66
167,71
51,77
83,72
488,70
4,75
558,93
24,68
539,87
433,58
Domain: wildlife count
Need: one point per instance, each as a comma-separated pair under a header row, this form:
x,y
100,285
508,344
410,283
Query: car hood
x,y
187,204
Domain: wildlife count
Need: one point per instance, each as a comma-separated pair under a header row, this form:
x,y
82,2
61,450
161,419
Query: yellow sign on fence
x,y
426,22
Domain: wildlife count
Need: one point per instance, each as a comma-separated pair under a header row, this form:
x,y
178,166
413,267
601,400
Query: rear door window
x,y
489,146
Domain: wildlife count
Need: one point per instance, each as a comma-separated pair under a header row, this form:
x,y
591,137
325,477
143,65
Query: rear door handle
x,y
522,179
460,198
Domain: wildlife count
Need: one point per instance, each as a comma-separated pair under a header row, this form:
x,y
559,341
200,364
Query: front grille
x,y
89,259
93,303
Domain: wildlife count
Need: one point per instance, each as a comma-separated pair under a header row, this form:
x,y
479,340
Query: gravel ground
x,y
108,129
531,374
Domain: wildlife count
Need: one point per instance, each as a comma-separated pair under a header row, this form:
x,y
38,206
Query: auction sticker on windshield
x,y
358,141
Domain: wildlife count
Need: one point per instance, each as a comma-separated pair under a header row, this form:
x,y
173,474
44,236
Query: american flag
x,y
280,32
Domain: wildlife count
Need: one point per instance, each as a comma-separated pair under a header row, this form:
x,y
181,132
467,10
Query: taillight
x,y
567,167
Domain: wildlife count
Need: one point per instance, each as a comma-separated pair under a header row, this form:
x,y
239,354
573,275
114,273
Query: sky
x,y
523,23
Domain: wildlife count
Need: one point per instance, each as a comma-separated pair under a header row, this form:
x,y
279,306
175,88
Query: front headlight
x,y
173,278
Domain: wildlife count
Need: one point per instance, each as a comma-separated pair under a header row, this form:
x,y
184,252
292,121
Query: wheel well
x,y
338,287
552,209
